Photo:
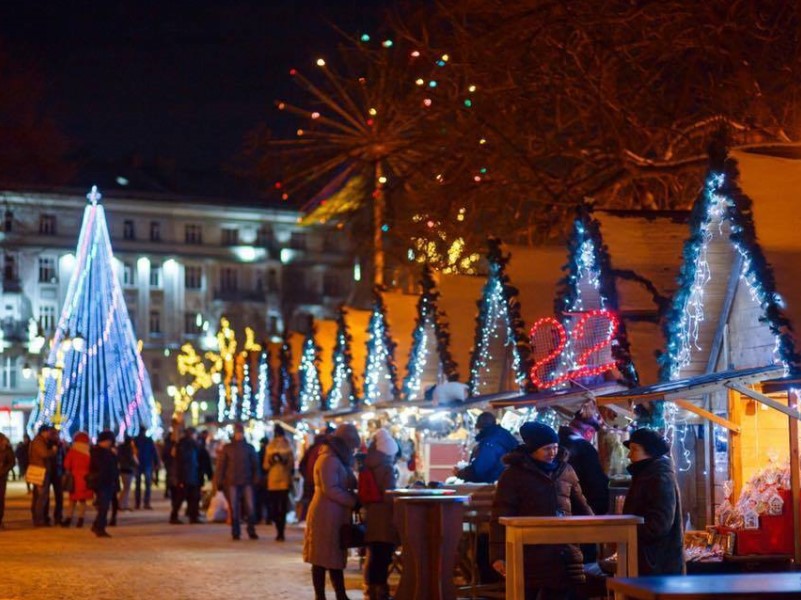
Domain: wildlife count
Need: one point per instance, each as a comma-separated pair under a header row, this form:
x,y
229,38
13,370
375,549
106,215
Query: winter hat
x,y
385,443
651,441
484,420
278,431
348,433
106,436
81,438
536,435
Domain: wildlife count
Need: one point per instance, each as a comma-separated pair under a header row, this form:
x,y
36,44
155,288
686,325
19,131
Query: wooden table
x,y
430,527
699,587
620,529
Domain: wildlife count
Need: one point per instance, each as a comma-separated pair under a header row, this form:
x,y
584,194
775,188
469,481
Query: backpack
x,y
368,488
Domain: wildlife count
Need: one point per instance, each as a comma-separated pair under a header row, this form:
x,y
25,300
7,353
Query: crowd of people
x,y
549,474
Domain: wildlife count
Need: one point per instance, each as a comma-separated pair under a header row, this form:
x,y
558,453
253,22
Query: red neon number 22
x,y
582,369
547,360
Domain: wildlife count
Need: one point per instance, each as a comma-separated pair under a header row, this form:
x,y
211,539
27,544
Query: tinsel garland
x,y
342,348
379,317
497,272
427,308
286,400
586,227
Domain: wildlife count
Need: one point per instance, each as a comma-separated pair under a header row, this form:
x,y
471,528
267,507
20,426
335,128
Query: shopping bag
x,y
35,475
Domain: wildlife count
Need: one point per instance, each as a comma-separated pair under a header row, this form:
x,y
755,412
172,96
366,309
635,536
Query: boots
x,y
377,591
66,522
79,523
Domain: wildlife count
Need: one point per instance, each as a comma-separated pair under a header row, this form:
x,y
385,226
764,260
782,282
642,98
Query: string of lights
x,y
310,393
343,388
380,377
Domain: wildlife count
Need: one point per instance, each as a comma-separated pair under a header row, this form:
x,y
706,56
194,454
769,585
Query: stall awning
x,y
680,390
569,397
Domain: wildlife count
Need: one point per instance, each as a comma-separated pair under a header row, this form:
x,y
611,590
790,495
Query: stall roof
x,y
555,397
695,386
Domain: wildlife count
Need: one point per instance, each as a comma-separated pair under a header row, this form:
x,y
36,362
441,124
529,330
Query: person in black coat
x,y
654,496
539,482
102,479
492,443
148,460
185,477
21,452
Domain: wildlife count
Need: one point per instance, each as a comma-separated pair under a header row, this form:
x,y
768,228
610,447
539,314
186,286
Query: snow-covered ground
x,y
149,559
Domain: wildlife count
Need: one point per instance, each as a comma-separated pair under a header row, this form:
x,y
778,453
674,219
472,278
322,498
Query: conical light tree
x,y
94,378
430,360
311,391
342,394
501,353
264,407
380,378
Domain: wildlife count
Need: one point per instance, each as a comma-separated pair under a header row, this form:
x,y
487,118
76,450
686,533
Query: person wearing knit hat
x,y
539,482
375,479
492,443
654,495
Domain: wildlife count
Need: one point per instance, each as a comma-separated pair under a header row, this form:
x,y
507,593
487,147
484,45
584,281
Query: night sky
x,y
172,79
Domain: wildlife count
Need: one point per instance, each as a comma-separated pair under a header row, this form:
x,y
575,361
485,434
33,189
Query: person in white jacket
x,y
279,466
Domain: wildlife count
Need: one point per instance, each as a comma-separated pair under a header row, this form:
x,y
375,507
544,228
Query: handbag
x,y
35,475
68,482
351,535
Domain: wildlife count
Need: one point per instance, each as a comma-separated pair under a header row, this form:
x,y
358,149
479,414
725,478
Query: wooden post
x,y
735,444
792,402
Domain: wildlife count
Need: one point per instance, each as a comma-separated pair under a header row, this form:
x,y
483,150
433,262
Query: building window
x,y
332,285
9,268
297,240
128,275
193,234
47,269
9,379
47,317
230,236
272,280
128,230
228,281
155,322
155,276
47,224
155,231
264,237
193,277
193,324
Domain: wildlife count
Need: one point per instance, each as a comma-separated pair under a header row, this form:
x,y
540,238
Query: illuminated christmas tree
x,y
380,379
343,389
430,359
311,392
286,396
264,409
94,378
589,287
501,353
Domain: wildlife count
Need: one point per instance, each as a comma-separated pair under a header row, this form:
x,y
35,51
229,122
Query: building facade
x,y
183,263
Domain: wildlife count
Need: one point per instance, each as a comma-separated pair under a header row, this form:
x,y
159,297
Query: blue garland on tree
x,y
428,311
497,279
343,387
585,227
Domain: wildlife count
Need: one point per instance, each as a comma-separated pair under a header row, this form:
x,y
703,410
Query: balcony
x,y
240,295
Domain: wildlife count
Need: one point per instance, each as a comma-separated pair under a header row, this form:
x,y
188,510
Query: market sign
x,y
582,349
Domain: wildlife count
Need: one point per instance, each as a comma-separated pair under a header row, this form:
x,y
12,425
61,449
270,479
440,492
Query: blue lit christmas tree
x,y
589,285
94,378
380,378
264,409
286,396
311,392
430,359
342,394
501,351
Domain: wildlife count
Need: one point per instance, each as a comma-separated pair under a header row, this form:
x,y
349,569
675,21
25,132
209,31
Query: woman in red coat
x,y
77,463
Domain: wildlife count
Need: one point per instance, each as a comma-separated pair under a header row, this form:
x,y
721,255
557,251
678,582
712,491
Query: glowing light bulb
x,y
373,112
315,115
387,43
420,82
382,179
472,88
320,62
415,53
427,102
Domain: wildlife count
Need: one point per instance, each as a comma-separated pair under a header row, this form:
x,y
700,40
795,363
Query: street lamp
x,y
27,371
